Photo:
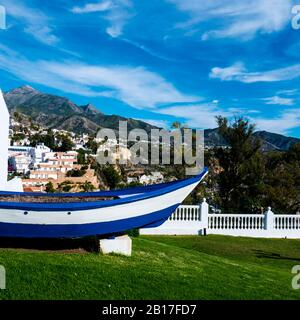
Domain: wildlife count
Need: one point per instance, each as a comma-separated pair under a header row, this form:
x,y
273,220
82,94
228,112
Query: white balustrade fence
x,y
287,222
236,221
185,221
195,220
186,213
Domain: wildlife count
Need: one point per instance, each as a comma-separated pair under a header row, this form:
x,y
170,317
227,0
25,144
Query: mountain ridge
x,y
61,113
53,111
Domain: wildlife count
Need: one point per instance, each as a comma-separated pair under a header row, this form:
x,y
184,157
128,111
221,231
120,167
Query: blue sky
x,y
160,60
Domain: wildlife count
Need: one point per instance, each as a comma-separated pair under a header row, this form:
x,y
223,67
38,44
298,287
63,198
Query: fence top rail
x,y
253,215
188,207
276,215
238,215
286,215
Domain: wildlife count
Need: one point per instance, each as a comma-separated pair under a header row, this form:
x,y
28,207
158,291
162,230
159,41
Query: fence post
x,y
204,215
269,219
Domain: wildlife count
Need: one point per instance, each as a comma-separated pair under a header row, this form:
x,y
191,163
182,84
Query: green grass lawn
x,y
212,267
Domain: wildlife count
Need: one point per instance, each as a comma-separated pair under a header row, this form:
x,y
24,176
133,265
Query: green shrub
x,y
133,233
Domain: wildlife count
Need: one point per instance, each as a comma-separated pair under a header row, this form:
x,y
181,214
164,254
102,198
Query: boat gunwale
x,y
83,206
106,193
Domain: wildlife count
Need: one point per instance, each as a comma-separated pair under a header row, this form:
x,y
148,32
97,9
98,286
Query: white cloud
x,y
135,86
200,116
288,92
281,124
157,123
36,22
43,34
235,18
93,7
150,51
242,111
228,73
116,12
203,116
238,72
276,100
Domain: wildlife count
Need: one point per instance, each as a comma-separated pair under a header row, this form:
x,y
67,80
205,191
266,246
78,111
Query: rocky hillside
x,y
58,112
270,141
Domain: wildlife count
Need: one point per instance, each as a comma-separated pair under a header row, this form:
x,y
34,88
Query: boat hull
x,y
73,220
84,230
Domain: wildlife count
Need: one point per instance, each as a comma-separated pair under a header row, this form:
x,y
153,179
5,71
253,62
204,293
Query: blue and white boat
x,y
40,215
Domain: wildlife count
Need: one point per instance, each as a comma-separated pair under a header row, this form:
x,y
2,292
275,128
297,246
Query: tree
x,y
50,187
282,180
48,140
111,176
81,157
241,179
87,186
18,116
18,137
65,186
176,125
92,145
66,144
76,173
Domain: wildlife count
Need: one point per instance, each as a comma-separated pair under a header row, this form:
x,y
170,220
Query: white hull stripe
x,y
105,214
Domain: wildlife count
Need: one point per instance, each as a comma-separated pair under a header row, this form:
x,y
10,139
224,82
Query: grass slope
x,y
213,267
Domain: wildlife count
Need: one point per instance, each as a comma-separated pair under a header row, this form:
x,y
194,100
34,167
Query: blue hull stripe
x,y
83,230
101,204
111,193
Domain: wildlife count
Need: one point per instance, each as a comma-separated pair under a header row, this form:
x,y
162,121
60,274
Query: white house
x,y
25,150
154,177
21,163
157,177
145,179
132,179
20,158
38,153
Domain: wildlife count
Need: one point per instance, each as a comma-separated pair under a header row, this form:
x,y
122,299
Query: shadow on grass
x,y
272,255
62,245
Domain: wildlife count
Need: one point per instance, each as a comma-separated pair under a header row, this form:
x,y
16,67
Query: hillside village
x,y
70,167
